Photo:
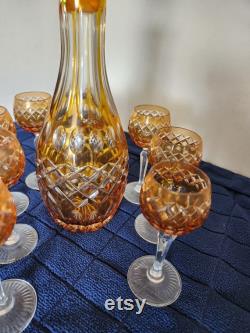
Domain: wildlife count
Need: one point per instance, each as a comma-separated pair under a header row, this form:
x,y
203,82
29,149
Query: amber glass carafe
x,y
82,153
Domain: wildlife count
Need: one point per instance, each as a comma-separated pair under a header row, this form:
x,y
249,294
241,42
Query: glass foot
x,y
31,181
20,244
19,309
132,193
21,201
145,229
161,293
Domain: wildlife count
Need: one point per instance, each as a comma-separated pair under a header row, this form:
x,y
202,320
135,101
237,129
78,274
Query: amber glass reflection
x,y
7,213
30,109
176,198
12,159
176,144
6,120
145,121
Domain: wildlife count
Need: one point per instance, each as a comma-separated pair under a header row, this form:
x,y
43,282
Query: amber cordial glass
x,y
144,122
30,109
12,161
176,199
6,120
18,298
173,144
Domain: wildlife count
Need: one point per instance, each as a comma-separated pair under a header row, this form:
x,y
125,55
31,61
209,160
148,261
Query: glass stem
x,y
36,139
163,246
143,168
3,298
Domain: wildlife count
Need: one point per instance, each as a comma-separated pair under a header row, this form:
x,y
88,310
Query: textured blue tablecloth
x,y
74,274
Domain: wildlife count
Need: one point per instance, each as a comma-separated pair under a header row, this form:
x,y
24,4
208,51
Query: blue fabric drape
x,y
74,274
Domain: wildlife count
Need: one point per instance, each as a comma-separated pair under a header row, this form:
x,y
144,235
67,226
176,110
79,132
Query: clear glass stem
x,y
143,168
163,246
3,298
36,139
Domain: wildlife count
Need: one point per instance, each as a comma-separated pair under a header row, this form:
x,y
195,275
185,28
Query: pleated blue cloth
x,y
74,274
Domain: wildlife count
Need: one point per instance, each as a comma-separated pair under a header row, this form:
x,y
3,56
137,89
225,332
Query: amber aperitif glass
x,y
30,110
12,161
176,199
6,120
176,144
144,122
12,164
7,213
17,297
173,144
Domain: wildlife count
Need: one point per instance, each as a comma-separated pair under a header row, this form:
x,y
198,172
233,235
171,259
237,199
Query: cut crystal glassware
x,y
176,199
176,144
12,162
82,154
6,120
7,213
18,298
173,144
144,122
30,109
12,159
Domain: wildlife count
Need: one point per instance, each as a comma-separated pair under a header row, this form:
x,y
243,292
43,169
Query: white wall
x,y
192,56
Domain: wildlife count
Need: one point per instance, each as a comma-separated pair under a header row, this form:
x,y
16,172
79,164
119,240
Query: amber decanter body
x,y
82,153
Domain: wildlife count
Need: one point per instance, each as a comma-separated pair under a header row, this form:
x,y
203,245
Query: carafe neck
x,y
82,70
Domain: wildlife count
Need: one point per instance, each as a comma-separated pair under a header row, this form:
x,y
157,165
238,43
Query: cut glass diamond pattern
x,y
176,148
78,186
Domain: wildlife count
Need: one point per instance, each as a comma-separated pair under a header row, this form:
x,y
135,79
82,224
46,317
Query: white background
x,y
192,56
